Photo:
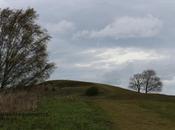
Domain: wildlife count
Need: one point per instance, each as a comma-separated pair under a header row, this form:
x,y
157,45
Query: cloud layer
x,y
126,27
109,58
61,27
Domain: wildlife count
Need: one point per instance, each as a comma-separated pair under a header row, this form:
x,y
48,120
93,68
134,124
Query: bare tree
x,y
23,44
151,82
147,81
136,82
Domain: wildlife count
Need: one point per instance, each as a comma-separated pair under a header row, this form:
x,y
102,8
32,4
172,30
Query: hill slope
x,y
67,108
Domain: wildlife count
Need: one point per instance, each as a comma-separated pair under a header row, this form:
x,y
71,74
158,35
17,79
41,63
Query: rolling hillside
x,y
63,105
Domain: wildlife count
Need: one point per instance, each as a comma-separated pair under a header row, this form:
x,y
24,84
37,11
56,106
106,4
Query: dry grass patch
x,y
18,101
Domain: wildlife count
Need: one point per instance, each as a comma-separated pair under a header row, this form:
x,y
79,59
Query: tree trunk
x,y
138,90
146,90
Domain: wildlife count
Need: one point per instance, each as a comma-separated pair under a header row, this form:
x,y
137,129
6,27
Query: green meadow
x,y
63,105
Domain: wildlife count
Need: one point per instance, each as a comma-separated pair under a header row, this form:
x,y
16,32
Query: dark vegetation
x,y
23,44
92,91
146,82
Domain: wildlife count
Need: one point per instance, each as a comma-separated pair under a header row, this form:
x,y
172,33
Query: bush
x,y
53,89
92,91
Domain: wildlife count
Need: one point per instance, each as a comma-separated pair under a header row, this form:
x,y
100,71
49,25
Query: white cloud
x,y
62,27
108,58
126,27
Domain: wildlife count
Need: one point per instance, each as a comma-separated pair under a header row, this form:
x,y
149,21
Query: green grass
x,y
164,109
61,113
114,108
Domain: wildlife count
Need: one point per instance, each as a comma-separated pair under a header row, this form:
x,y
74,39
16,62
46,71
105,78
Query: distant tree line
x,y
147,81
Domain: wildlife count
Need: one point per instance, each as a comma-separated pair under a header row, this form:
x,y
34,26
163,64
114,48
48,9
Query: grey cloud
x,y
126,27
60,27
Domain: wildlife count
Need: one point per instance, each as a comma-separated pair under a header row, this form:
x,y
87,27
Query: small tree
x,y
147,81
151,83
136,82
23,44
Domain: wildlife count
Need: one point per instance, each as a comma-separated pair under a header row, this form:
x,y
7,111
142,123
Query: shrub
x,y
92,91
53,89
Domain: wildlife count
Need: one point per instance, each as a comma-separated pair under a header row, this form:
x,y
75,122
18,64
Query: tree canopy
x,y
23,49
147,81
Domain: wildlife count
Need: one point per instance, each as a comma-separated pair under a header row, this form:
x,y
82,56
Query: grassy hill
x,y
63,105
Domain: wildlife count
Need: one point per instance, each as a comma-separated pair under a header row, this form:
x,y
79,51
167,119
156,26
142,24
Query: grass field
x,y
62,105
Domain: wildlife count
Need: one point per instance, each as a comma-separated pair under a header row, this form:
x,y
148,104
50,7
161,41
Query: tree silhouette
x,y
151,83
147,81
136,82
23,49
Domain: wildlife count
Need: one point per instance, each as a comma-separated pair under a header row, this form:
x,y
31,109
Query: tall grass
x,y
18,101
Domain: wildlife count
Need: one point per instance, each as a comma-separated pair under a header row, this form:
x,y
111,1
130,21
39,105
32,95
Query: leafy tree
x,y
23,44
147,81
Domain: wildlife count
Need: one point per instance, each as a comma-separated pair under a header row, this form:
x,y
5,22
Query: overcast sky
x,y
108,41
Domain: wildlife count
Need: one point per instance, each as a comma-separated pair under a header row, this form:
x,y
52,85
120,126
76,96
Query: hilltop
x,y
68,108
